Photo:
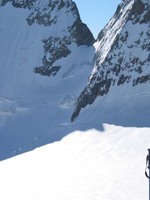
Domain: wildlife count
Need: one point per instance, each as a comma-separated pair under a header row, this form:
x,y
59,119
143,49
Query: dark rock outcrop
x,y
123,53
55,13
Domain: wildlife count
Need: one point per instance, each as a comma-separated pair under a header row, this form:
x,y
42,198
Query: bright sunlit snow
x,y
90,165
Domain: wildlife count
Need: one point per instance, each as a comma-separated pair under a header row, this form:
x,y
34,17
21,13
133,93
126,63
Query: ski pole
x,y
149,170
148,167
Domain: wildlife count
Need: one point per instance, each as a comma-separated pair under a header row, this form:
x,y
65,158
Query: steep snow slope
x,y
106,165
44,37
121,72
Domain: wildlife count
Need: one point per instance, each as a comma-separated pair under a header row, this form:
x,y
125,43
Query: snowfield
x,y
89,165
101,154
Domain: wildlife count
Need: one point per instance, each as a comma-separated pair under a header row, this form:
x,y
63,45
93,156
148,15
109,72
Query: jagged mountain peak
x,y
123,53
64,25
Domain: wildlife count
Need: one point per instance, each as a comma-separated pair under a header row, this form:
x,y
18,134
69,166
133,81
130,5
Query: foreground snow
x,y
89,165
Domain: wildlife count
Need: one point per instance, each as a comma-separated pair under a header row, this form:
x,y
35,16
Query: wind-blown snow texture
x,y
46,57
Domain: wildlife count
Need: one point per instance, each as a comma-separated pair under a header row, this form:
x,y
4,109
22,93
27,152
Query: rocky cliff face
x,y
66,29
123,53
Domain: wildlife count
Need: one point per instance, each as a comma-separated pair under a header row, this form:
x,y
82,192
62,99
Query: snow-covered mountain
x,y
121,70
55,24
47,57
40,38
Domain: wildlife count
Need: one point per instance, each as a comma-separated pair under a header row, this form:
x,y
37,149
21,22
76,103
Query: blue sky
x,y
96,13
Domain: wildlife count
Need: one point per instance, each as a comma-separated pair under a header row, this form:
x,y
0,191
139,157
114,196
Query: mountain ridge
x,y
46,62
49,13
115,45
